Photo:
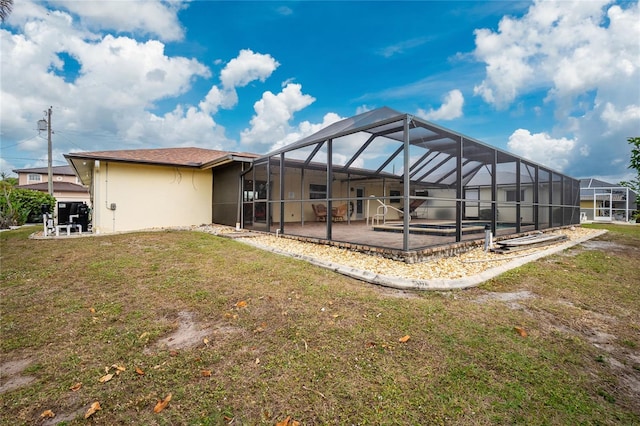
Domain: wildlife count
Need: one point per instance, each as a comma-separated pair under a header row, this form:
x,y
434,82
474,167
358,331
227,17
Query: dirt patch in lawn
x,y
511,298
191,333
11,375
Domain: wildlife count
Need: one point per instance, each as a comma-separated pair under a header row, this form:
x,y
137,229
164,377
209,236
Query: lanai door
x,y
602,207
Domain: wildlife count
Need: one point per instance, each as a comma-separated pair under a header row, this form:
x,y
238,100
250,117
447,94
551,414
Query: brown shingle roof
x,y
56,170
57,187
187,157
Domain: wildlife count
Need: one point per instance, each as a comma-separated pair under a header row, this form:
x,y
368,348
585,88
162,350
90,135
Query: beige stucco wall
x,y
147,196
62,196
44,178
341,189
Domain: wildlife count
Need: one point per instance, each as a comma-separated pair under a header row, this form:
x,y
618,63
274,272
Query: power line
x,y
22,141
61,133
31,159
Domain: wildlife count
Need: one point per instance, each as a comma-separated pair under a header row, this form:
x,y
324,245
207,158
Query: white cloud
x,y
450,109
584,56
247,67
363,108
118,79
108,99
542,148
401,47
615,118
270,124
304,129
150,17
285,11
559,43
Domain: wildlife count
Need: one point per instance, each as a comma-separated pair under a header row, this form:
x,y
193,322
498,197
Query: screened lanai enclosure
x,y
396,183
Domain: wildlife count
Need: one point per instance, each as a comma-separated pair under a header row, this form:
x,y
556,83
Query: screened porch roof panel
x,y
390,124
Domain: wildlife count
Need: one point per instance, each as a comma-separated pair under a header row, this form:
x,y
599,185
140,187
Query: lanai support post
x,y
267,202
329,187
302,195
536,198
282,193
406,187
518,197
494,192
459,190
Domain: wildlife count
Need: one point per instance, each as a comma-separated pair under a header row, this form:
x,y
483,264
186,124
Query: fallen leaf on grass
x,y
47,414
205,341
285,422
139,371
161,405
521,331
206,373
91,411
76,387
404,339
241,304
105,378
92,310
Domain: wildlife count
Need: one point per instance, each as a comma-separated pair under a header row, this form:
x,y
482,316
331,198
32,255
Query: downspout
x,y
111,206
95,202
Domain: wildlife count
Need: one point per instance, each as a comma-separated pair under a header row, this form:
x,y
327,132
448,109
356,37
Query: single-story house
x,y
66,185
604,201
149,188
381,179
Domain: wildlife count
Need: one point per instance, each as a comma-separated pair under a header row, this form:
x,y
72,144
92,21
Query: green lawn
x,y
275,337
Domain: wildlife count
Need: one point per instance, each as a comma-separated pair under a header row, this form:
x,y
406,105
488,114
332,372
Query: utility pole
x,y
42,125
50,161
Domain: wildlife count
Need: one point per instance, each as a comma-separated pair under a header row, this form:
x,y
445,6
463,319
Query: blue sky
x,y
555,82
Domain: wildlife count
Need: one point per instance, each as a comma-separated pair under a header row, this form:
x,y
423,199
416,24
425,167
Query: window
x,y
257,192
473,194
511,195
395,193
317,192
33,177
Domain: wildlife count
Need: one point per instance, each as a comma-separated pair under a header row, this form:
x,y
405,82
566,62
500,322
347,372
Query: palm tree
x,y
5,9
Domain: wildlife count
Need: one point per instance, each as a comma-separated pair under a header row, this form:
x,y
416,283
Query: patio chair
x,y
413,205
320,210
338,213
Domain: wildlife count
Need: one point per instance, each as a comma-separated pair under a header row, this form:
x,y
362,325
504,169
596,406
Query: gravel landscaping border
x,y
465,270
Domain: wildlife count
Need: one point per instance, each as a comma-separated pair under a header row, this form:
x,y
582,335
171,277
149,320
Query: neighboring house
x,y
152,188
66,185
603,201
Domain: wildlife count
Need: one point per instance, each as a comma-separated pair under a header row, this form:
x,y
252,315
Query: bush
x,y
19,205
